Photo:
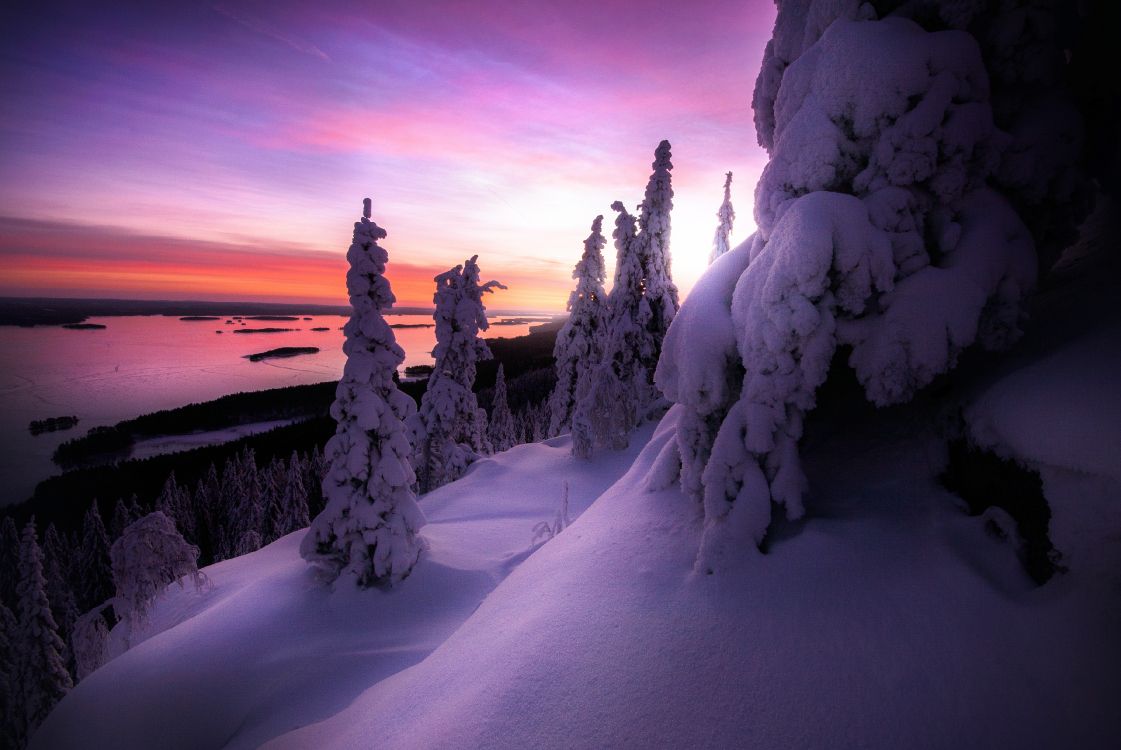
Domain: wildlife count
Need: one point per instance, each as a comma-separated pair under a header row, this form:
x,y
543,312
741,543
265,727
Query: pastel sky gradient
x,y
220,150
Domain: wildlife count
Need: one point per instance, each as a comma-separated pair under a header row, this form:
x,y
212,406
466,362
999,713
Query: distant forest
x,y
95,469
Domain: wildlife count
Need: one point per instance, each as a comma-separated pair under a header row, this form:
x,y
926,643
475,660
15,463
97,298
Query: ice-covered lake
x,y
140,364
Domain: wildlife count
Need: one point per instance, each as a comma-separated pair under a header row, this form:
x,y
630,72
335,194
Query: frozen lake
x,y
141,364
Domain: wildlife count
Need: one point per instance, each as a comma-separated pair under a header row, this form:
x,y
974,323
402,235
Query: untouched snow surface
x,y
888,619
269,649
885,618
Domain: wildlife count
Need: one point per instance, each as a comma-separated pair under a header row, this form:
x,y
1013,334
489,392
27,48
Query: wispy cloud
x,y
260,26
205,135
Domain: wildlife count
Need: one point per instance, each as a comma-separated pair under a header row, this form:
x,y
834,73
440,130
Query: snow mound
x,y
1063,411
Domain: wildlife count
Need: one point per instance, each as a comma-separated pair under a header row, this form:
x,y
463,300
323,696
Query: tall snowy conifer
x,y
581,341
501,427
293,506
450,429
611,397
41,667
654,254
726,215
368,530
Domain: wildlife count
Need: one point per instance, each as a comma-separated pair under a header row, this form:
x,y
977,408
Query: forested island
x,y
282,352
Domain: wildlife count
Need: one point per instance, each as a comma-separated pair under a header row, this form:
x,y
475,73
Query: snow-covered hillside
x,y
883,510
268,648
888,618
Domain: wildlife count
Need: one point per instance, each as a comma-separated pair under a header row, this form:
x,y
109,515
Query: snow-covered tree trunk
x,y
501,427
368,530
41,675
449,429
887,225
581,340
721,242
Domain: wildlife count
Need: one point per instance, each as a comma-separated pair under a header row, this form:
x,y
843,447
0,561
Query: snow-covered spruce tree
x,y
653,238
501,425
94,572
610,399
150,555
582,338
449,429
315,471
368,530
207,501
41,673
288,510
9,561
726,215
883,228
57,570
9,698
243,488
175,502
122,516
295,505
273,477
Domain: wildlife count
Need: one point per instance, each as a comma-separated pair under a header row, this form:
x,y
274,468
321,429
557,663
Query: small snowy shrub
x,y
545,530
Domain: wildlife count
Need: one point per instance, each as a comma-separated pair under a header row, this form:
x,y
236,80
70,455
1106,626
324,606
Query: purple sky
x,y
254,129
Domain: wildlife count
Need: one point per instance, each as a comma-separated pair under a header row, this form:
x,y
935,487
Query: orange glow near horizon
x,y
220,162
165,268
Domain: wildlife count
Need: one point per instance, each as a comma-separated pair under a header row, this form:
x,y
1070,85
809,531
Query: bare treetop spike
x,y
367,207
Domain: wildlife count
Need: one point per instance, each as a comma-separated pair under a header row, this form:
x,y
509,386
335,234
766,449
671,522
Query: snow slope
x,y
885,618
268,649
